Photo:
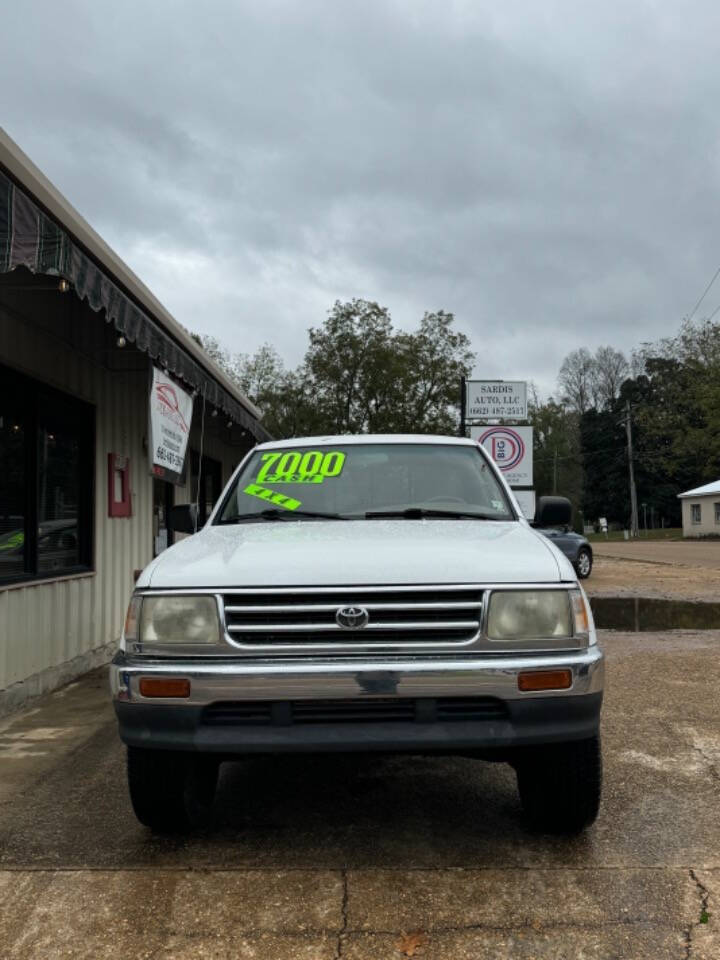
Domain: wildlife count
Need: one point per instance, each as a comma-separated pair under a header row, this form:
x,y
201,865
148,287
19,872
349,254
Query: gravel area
x,y
665,570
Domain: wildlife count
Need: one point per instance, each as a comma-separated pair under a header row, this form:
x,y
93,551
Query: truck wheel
x,y
560,785
583,563
170,791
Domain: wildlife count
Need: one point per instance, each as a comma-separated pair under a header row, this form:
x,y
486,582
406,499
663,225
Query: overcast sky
x,y
549,172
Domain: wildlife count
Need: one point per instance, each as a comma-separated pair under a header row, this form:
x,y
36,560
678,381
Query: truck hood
x,y
339,553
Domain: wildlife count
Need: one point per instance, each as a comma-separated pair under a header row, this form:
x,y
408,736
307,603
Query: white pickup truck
x,y
362,593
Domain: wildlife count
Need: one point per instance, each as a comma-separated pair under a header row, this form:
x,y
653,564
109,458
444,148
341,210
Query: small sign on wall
x,y
171,410
119,498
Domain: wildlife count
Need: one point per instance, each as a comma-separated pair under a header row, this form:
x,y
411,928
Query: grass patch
x,y
615,536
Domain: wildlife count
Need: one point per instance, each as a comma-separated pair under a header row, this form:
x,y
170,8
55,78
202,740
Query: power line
x,y
713,313
580,457
707,290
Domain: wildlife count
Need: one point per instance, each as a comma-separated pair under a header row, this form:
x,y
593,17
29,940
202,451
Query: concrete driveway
x,y
368,859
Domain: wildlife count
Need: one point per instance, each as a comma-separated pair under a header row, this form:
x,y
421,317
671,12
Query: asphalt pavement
x,y
373,858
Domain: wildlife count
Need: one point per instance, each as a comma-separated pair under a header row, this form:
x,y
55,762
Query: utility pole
x,y
555,461
463,405
633,492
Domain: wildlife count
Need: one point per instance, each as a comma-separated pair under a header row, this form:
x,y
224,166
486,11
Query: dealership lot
x,y
373,857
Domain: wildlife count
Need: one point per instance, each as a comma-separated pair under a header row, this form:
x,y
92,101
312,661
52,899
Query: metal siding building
x,y
54,625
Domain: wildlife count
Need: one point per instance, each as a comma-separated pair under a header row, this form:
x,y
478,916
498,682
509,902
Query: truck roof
x,y
362,438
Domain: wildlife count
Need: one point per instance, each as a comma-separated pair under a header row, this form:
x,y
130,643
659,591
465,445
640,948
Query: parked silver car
x,y
575,547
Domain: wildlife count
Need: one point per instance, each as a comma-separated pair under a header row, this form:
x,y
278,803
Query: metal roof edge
x,y
46,194
714,491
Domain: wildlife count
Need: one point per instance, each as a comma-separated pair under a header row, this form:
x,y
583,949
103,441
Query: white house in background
x,y
701,510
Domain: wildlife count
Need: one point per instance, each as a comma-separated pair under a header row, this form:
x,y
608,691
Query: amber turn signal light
x,y
162,687
545,680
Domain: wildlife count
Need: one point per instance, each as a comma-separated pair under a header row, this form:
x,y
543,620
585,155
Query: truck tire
x,y
171,792
560,785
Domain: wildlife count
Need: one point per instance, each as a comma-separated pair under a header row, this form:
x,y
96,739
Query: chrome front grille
x,y
397,617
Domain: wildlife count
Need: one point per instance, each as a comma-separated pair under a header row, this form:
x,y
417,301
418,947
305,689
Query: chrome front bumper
x,y
495,676
525,720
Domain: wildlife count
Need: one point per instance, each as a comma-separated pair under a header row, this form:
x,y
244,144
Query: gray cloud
x,y
549,172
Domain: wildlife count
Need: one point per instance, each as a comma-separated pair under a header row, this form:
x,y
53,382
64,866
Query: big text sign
x,y
496,400
512,450
170,418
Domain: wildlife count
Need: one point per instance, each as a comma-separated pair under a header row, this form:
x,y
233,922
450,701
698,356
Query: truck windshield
x,y
366,481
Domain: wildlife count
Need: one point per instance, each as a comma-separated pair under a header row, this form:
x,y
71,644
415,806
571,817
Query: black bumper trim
x,y
529,721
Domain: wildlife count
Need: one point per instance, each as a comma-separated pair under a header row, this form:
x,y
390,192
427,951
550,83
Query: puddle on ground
x,y
639,614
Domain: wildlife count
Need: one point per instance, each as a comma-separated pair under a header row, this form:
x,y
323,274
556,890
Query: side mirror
x,y
183,518
553,512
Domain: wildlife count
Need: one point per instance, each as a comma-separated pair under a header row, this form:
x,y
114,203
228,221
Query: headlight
x,y
179,620
537,615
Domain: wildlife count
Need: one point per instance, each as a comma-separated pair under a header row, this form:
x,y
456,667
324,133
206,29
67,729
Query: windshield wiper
x,y
275,513
419,513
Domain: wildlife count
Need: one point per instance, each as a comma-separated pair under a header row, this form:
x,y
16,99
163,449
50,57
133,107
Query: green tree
x,y
659,474
260,375
352,366
556,450
290,409
677,410
673,388
602,440
367,377
433,360
359,375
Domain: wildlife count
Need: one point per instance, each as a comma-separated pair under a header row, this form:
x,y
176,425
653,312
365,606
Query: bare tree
x,y
534,399
611,369
638,360
576,380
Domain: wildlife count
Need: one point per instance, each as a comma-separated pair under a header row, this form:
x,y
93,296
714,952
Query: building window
x,y
717,513
695,513
46,480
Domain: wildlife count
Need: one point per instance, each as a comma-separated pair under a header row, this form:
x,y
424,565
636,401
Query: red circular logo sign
x,y
504,445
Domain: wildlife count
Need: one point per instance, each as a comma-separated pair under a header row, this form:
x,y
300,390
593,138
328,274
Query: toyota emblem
x,y
352,618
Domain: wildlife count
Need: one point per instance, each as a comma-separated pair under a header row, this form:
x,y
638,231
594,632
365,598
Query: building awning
x,y
32,239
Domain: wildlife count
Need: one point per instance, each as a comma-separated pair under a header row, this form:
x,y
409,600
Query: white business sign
x,y
526,502
512,450
170,418
496,400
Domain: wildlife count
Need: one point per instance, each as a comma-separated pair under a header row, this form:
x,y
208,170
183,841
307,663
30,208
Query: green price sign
x,y
298,466
272,496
